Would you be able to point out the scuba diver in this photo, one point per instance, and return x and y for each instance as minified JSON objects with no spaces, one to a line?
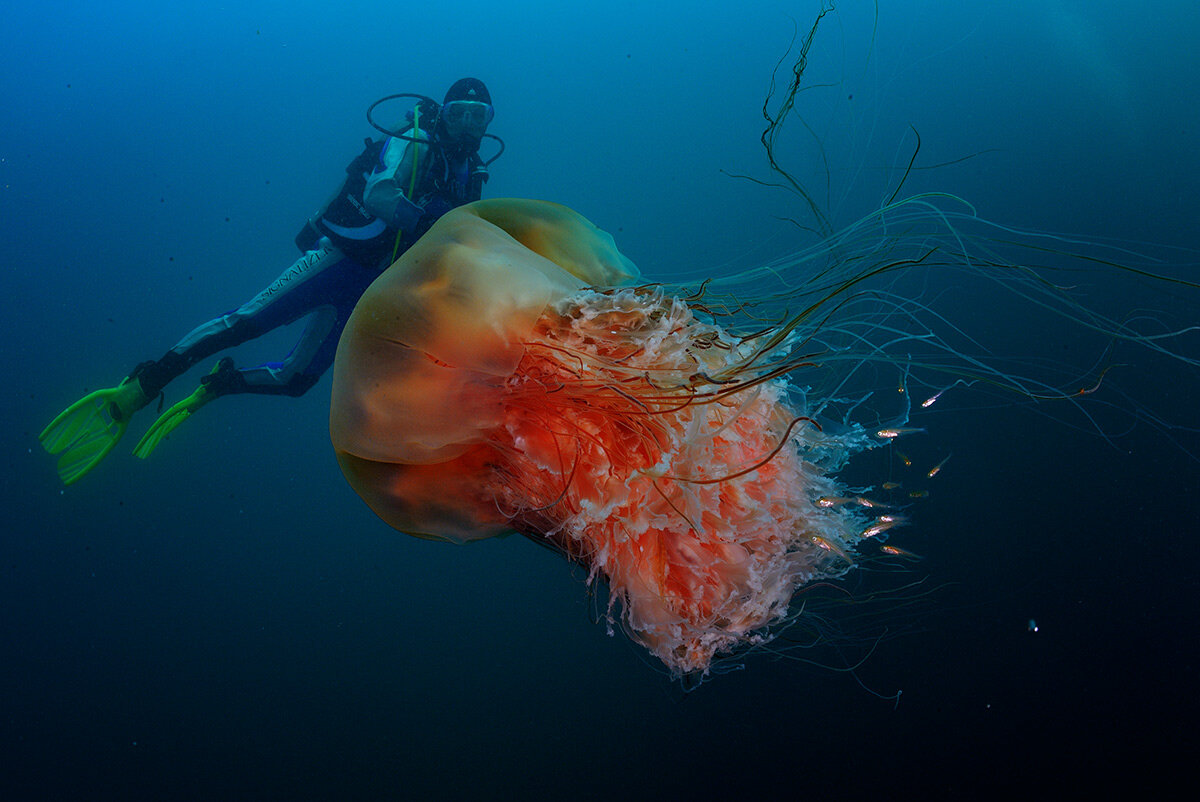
{"x":394,"y":191}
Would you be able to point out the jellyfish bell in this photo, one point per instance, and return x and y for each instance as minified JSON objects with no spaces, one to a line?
{"x":504,"y":376}
{"x":417,"y":377}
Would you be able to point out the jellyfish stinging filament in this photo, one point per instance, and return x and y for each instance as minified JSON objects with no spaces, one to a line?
{"x":506,"y":376}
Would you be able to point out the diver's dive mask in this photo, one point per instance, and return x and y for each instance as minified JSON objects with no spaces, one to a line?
{"x":470,"y":113}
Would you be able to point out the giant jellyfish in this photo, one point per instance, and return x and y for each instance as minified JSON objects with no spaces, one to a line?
{"x":686,"y":442}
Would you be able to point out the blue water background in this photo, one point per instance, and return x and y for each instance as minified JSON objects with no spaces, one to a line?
{"x":228,"y":620}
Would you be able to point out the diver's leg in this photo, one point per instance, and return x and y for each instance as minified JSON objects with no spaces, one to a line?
{"x":298,"y":371}
{"x":315,"y":350}
{"x":295,"y":293}
{"x":338,"y":290}
{"x":84,"y":433}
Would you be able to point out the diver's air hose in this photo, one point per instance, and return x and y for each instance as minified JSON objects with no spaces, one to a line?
{"x":412,"y":184}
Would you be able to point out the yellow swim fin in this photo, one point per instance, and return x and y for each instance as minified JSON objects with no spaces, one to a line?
{"x":173,"y":417}
{"x":87,"y":430}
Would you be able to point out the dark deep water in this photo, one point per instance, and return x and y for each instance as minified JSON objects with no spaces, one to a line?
{"x":227,"y":620}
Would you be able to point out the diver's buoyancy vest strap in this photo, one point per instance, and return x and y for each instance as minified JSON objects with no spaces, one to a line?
{"x":343,"y":218}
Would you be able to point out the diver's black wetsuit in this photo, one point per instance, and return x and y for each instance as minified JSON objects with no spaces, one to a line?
{"x":379,"y":212}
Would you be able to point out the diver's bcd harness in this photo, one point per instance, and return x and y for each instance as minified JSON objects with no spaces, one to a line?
{"x":343,"y":218}
{"x":354,"y":230}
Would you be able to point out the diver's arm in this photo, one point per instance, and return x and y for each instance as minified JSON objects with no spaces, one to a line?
{"x":389,"y":188}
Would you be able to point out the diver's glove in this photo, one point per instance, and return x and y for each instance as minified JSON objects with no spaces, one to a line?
{"x":407,"y":214}
{"x":87,"y":430}
{"x":434,"y":209}
{"x":222,"y":379}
